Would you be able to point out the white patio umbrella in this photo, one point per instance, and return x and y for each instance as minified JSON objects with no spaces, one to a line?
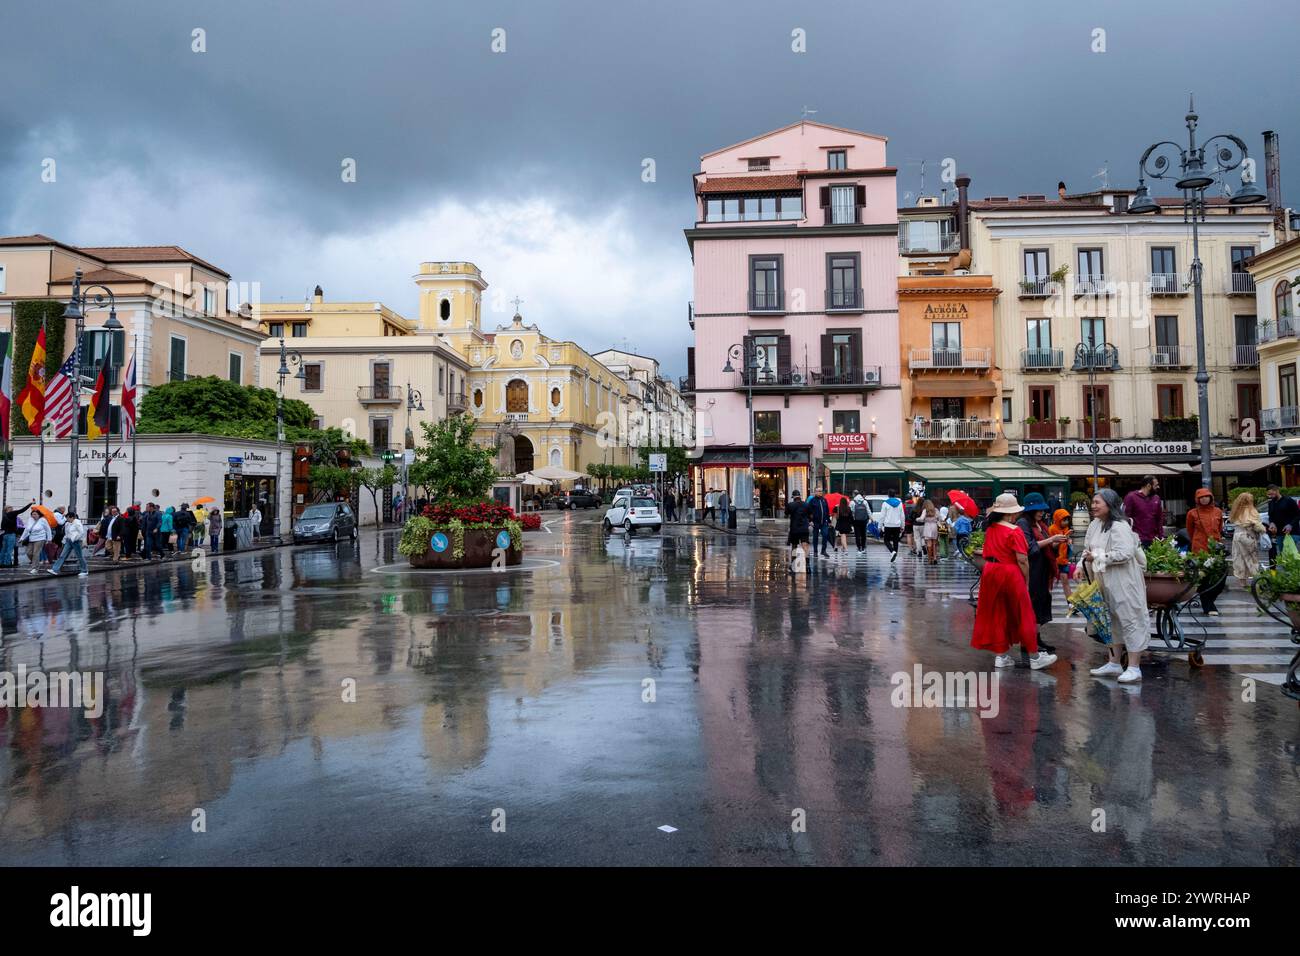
{"x":553,"y":473}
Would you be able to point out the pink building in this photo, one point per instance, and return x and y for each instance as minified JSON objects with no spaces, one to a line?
{"x":795,"y":247}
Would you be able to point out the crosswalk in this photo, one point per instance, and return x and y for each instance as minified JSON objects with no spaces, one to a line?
{"x":1240,"y":638}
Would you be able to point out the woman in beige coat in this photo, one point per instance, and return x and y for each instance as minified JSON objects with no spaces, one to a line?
{"x":1247,"y":527}
{"x":1114,"y":553}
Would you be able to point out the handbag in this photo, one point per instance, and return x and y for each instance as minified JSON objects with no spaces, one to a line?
{"x":1265,"y":541}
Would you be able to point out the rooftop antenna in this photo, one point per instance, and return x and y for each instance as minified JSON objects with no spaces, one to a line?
{"x":919,"y":163}
{"x":806,"y":112}
{"x":1104,"y":175}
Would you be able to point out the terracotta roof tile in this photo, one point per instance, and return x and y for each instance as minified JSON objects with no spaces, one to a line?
{"x":743,"y":184}
{"x":103,"y":275}
{"x":148,"y":254}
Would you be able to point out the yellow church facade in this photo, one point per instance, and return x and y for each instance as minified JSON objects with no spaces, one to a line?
{"x":545,"y":402}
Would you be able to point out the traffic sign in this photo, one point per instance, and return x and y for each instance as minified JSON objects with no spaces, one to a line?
{"x":659,"y":462}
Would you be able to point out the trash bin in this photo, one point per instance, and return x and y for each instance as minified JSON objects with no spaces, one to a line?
{"x":239,"y":534}
{"x":731,"y":519}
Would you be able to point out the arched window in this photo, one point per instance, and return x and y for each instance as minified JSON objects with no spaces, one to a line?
{"x":1281,"y":299}
{"x":517,"y":396}
{"x":444,"y":310}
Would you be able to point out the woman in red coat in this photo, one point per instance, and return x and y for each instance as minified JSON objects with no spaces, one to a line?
{"x":1005,"y":614}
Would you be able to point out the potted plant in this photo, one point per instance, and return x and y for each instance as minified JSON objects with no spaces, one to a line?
{"x":975,"y":549}
{"x":1278,"y":590}
{"x":1172,"y":576}
{"x":1031,"y":420}
{"x":460,"y":527}
{"x":1064,"y":420}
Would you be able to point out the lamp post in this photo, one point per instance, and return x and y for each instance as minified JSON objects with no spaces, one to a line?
{"x":414,"y":403}
{"x":76,"y":311}
{"x":1087,"y":355}
{"x":287,"y":357}
{"x":1192,"y":177}
{"x":749,"y":360}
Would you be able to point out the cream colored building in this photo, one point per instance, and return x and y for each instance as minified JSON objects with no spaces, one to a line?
{"x":1277,"y":281}
{"x":545,"y":401}
{"x":366,"y":369}
{"x":172,"y":305}
{"x":1124,"y":294}
{"x":657,"y":408}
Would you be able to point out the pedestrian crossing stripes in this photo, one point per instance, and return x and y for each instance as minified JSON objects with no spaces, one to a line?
{"x":1240,"y":638}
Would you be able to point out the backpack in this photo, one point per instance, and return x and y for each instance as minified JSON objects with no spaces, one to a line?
{"x":861,"y":512}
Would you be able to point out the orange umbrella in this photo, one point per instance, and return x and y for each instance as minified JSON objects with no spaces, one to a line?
{"x":45,"y":513}
{"x":204,"y":500}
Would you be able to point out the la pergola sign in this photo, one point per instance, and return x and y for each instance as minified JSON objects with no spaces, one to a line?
{"x":1080,"y":449}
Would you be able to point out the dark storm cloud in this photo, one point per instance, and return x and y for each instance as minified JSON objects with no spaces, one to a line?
{"x":584,"y":93}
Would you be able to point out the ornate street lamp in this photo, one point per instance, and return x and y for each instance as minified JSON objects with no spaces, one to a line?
{"x":1193,"y":177}
{"x":414,"y":403}
{"x":76,"y":311}
{"x":749,"y":359}
{"x":287,"y":357}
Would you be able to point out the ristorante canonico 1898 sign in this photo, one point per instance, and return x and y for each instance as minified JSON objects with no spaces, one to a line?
{"x":1133,"y":448}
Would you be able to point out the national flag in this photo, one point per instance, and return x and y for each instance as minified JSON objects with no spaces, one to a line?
{"x":128,"y":398}
{"x":7,"y":389}
{"x":99,"y":412}
{"x":60,"y":411}
{"x":32,"y":398}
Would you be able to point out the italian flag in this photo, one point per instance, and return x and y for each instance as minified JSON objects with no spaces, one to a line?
{"x":7,"y":389}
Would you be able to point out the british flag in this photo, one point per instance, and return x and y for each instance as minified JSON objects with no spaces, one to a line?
{"x":60,"y":409}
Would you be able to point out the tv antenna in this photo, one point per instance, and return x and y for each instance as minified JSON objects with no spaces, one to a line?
{"x":1103,"y":174}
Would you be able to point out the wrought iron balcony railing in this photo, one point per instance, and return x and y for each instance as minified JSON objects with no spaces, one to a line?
{"x":1171,"y":356}
{"x":1102,"y":358}
{"x":1239,"y":283}
{"x":1167,"y":283}
{"x":1277,"y":419}
{"x":1042,"y":360}
{"x":972,"y":358}
{"x":954,"y":430}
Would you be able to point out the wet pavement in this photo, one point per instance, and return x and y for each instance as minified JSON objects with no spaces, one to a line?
{"x":521,"y":697}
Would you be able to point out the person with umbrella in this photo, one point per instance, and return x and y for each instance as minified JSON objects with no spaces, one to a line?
{"x":36,"y":535}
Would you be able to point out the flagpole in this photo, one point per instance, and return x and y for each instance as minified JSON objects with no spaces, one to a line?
{"x":135,"y":410}
{"x":40,"y":436}
{"x":4,"y":438}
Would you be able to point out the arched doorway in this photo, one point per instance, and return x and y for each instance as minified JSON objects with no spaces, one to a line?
{"x":523,"y":454}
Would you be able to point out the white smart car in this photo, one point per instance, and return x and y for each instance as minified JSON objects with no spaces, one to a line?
{"x":632,"y":512}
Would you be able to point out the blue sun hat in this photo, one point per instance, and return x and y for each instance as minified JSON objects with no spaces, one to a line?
{"x":1034,"y":502}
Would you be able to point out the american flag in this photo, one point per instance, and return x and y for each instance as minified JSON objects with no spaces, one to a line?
{"x":60,"y":411}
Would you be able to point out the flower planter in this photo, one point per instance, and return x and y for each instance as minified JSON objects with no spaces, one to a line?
{"x":1166,"y":589}
{"x":480,"y":548}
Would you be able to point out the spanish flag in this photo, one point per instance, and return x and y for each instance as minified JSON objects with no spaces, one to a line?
{"x":99,"y":413}
{"x":32,"y":398}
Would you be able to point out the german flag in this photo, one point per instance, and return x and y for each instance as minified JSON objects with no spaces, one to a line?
{"x":32,"y":398}
{"x":100,"y":411}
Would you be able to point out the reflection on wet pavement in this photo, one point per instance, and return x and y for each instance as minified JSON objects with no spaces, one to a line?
{"x":527,"y":692}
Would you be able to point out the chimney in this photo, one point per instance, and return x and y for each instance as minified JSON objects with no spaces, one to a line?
{"x":319,"y":294}
{"x":1273,"y":171}
{"x":1060,"y":189}
{"x":963,"y":210}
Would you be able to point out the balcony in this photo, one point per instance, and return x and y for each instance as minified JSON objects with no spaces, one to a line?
{"x":841,"y":215}
{"x":952,"y":430}
{"x":1040,"y":431}
{"x":1171,"y":356}
{"x":955,"y":359}
{"x":1037,"y":287}
{"x":809,"y":378}
{"x":1279,"y":419}
{"x":1175,"y":429}
{"x":173,"y":375}
{"x":771,"y":302}
{"x":690,"y":315}
{"x":457,"y":403}
{"x":1245,"y":356}
{"x":1107,"y":430}
{"x":1167,"y":283}
{"x":1042,"y":360}
{"x":1239,"y":283}
{"x":932,"y":245}
{"x":844,"y":300}
{"x":1284,"y":327}
{"x":1097,"y":358}
{"x":1093,"y":285}
{"x":379,"y":395}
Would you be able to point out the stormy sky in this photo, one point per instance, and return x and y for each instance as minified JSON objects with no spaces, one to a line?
{"x":529,"y":161}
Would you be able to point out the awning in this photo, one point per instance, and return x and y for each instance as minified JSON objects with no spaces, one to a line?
{"x":1113,"y":469}
{"x":1232,"y":466}
{"x":953,"y":388}
{"x":865,"y":467}
{"x":981,"y":471}
{"x":1074,"y":469}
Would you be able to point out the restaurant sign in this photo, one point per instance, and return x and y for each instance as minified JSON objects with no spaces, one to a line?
{"x":1240,"y":451}
{"x":1132,"y":448}
{"x":848,"y":441}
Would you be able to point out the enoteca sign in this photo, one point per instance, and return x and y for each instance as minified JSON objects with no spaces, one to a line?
{"x":1132,"y":448}
{"x":848,"y":441}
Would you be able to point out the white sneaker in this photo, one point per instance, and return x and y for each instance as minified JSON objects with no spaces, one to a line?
{"x":1041,"y":659}
{"x":1130,"y":676}
{"x":1004,"y":660}
{"x":1109,"y":669}
{"x":84,"y":574}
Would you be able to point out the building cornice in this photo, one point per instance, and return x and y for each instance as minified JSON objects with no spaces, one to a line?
{"x":272,"y":347}
{"x":790,"y":232}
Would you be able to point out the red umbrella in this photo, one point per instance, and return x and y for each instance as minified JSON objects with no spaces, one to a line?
{"x":833,"y":499}
{"x":965,"y":502}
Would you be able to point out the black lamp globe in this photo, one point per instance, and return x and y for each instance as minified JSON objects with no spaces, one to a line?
{"x":1248,"y":195}
{"x":1142,"y":203}
{"x":1194,"y":175}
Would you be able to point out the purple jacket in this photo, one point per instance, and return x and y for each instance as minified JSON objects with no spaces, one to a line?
{"x":1147,"y":515}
